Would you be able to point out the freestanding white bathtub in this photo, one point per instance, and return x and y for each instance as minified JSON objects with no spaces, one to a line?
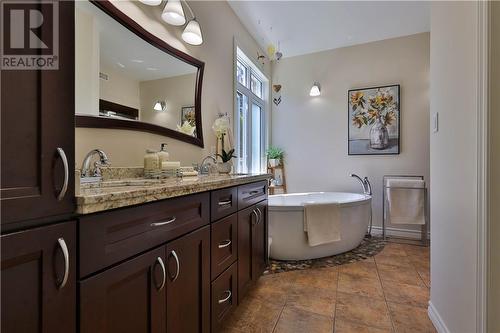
{"x":286,"y":224}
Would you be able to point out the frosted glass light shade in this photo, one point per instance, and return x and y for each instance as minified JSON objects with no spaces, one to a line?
{"x":151,"y":2}
{"x":315,"y":90}
{"x":173,"y":13}
{"x":192,"y":33}
{"x":160,"y":106}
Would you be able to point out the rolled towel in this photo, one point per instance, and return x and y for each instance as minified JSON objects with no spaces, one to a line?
{"x":322,"y":223}
{"x":406,"y":201}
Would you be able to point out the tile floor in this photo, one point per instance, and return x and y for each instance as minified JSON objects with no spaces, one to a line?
{"x":386,"y":293}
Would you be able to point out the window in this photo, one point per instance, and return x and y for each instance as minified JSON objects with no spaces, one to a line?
{"x":250,"y":115}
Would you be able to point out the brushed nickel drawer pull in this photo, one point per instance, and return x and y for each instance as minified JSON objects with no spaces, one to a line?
{"x":224,"y":243}
{"x":224,"y":203}
{"x":64,"y":188}
{"x":254,"y":192}
{"x":159,"y":224}
{"x":64,"y":249}
{"x":229,"y":294}
{"x":164,"y":274}
{"x":177,"y":266}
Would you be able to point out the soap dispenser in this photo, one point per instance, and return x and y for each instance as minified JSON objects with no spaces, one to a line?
{"x":163,"y":155}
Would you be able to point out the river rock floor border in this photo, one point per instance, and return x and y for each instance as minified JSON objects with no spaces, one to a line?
{"x":368,"y":248}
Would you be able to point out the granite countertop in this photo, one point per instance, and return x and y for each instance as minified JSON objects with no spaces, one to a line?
{"x":112,"y":194}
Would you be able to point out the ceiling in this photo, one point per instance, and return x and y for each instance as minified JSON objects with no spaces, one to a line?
{"x":304,"y":27}
{"x":124,"y":51}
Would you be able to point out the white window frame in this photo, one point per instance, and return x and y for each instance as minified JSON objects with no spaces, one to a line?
{"x":263,"y":103}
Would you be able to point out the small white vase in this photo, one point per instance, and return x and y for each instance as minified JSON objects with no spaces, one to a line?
{"x":274,"y":162}
{"x":224,"y":167}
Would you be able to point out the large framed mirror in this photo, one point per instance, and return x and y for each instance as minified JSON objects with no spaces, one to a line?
{"x":127,"y":78}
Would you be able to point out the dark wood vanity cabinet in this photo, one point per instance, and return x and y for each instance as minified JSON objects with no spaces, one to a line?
{"x":129,"y":297}
{"x":38,"y":135}
{"x":252,"y":245}
{"x":39,"y":280}
{"x":165,"y":289}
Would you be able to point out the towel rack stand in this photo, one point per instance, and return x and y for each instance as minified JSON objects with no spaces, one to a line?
{"x":424,"y":227}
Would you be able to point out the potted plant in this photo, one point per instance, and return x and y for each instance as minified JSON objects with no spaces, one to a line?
{"x":227,"y":164}
{"x":274,"y":156}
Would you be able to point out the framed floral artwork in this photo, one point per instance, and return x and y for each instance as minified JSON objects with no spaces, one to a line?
{"x":374,"y":120}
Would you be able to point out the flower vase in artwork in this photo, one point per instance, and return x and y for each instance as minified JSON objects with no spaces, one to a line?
{"x":379,"y":136}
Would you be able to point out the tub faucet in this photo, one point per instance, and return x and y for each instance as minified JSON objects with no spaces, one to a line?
{"x":365,"y":183}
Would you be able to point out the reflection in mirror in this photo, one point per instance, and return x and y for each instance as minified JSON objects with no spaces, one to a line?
{"x":121,"y":76}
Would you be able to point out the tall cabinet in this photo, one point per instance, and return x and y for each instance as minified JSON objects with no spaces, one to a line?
{"x":38,"y":265}
{"x":37,"y":135}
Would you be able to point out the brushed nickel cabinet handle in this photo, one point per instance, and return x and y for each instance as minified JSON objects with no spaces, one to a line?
{"x":224,"y":243}
{"x":224,"y":203}
{"x":253,"y":192}
{"x":64,"y":188}
{"x":177,"y":265}
{"x":260,"y":215}
{"x":254,"y":212}
{"x":159,"y":224}
{"x":64,"y":249}
{"x":164,"y":273}
{"x":225,"y":299}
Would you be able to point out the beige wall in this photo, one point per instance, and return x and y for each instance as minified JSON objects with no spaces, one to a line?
{"x":220,"y":26}
{"x":494,"y":278}
{"x":313,"y":131}
{"x":177,"y":91}
{"x":119,"y":88}
{"x":453,"y":165}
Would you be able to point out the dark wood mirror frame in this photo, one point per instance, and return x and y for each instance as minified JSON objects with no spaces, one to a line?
{"x":101,"y":122}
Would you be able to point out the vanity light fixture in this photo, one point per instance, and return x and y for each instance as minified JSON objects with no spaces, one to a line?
{"x":315,"y":90}
{"x":173,"y":13}
{"x":151,"y":2}
{"x":192,"y":33}
{"x":160,"y":106}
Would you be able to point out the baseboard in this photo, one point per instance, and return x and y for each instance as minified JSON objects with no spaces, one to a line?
{"x":436,"y":319}
{"x":397,"y":232}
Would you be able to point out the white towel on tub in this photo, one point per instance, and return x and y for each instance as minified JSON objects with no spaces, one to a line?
{"x":322,"y":223}
{"x":406,"y":201}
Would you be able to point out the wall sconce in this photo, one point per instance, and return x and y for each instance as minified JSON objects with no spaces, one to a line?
{"x":173,"y":14}
{"x":160,"y":106}
{"x":315,"y":90}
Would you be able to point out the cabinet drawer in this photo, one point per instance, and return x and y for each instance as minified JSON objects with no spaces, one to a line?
{"x":224,"y":244}
{"x":224,"y":202}
{"x":250,"y":194}
{"x":224,"y":296}
{"x":107,"y":238}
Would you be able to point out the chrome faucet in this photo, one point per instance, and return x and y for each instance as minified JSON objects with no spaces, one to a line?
{"x":205,"y":167}
{"x":365,"y":183}
{"x":103,"y":161}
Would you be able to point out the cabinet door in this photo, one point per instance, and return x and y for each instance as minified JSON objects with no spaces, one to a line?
{"x":247,"y":220}
{"x":127,"y":298}
{"x":37,"y":133}
{"x":39,"y":280}
{"x":252,"y":246}
{"x":259,"y":250}
{"x":188,"y":283}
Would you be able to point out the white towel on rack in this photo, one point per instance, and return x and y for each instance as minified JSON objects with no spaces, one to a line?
{"x":322,"y":223}
{"x":406,"y":201}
